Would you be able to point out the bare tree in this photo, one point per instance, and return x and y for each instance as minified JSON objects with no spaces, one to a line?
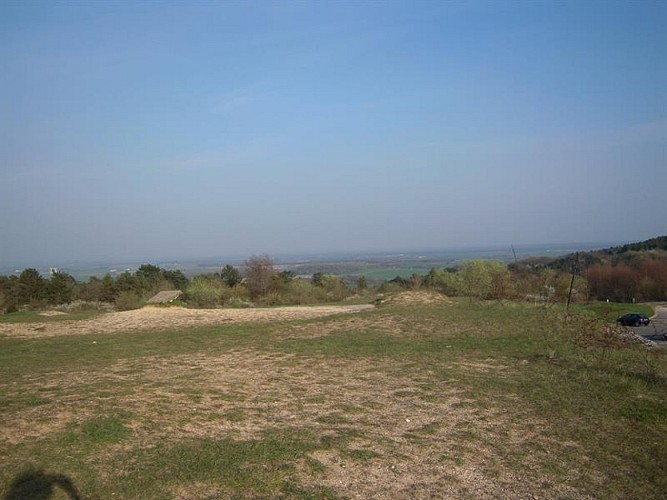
{"x":258,"y":272}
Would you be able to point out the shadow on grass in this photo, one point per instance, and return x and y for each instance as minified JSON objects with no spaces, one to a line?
{"x":35,"y":484}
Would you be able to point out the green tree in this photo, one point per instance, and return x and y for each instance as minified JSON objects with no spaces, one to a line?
{"x":108,"y":289}
{"x":335,"y":288}
{"x":231,"y":276}
{"x":475,"y":278}
{"x":125,"y":282}
{"x":362,"y":283}
{"x":501,"y":280}
{"x":176,"y":278}
{"x":32,"y":286}
{"x":448,"y":281}
{"x":486,"y":279}
{"x":11,"y":291}
{"x":147,"y":279}
{"x":96,"y":289}
{"x":60,"y":288}
{"x":149,"y":272}
{"x":317,"y":279}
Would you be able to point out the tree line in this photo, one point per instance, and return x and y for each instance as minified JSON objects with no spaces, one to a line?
{"x":643,"y":280}
{"x":256,"y":282}
{"x":260,"y":282}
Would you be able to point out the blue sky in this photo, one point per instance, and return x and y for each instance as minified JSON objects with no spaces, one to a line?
{"x":145,"y":130}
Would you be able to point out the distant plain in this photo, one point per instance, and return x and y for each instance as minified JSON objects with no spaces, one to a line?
{"x":376,"y":266}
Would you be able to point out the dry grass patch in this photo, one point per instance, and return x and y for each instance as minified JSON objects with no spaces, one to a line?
{"x":381,"y":434}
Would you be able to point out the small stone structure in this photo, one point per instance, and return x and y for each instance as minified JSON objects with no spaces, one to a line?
{"x":165,"y":297}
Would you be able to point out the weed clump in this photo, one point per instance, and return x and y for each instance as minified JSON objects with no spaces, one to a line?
{"x":595,"y":333}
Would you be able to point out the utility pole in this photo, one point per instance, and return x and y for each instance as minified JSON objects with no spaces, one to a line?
{"x":569,"y":294}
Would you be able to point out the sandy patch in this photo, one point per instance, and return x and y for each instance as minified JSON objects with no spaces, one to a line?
{"x":417,"y":298}
{"x":166,"y":318}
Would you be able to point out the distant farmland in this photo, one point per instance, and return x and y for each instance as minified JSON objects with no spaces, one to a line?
{"x":375,"y":266}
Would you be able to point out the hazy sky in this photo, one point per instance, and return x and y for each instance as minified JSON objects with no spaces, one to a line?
{"x":170,"y":129}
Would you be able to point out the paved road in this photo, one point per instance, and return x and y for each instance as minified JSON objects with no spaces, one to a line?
{"x":657,"y":329}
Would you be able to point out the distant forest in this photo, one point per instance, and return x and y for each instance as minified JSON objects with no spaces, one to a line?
{"x":634,"y":271}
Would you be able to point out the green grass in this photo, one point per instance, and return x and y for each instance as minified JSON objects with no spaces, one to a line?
{"x":98,"y":431}
{"x":37,"y":356}
{"x":596,"y":417}
{"x":231,"y":468}
{"x":252,"y":468}
{"x":611,"y":310}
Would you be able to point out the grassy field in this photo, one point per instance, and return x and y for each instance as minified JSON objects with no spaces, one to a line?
{"x":611,"y":310}
{"x":461,"y":400}
{"x":37,"y":317}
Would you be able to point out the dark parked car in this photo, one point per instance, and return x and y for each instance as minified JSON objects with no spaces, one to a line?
{"x":634,"y":319}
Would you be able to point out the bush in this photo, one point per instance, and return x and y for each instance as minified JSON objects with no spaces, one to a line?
{"x":335,"y":287}
{"x":271,"y":299}
{"x":239,"y":303}
{"x":449,"y":283}
{"x":84,"y":305}
{"x":388,"y":287}
{"x":239,"y":293}
{"x":300,"y":291}
{"x":126,"y":301}
{"x":204,"y":291}
{"x":258,"y":273}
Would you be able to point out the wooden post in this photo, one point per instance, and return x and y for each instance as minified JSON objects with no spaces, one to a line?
{"x":569,"y":294}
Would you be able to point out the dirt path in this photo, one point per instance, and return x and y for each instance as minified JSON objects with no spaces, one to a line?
{"x":163,"y":318}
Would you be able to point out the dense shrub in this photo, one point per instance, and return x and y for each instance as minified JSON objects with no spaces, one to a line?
{"x":300,"y":291}
{"x":389,"y":287}
{"x":335,"y":288}
{"x":97,"y":289}
{"x":271,"y":299}
{"x":31,"y":287}
{"x":231,"y":276}
{"x":238,"y":302}
{"x":258,"y":273}
{"x":83,"y":305}
{"x":128,"y":300}
{"x":60,"y":288}
{"x":205,"y":291}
